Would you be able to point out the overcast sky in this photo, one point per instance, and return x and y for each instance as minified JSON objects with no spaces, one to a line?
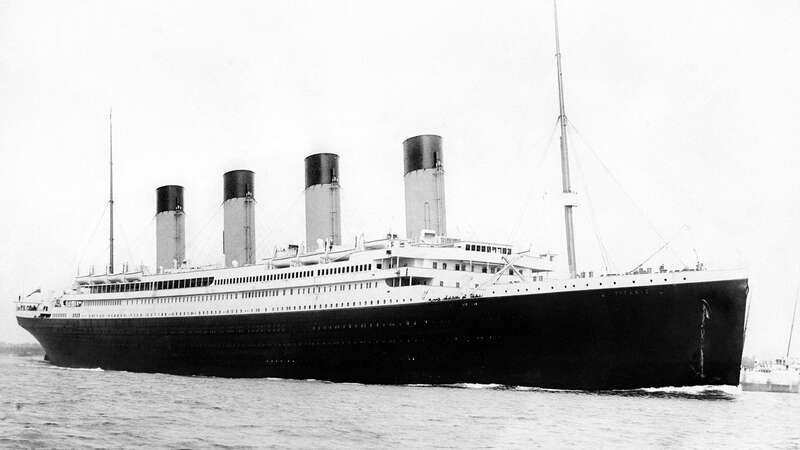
{"x":685,"y":122}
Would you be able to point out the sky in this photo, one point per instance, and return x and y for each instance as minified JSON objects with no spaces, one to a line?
{"x":683,"y":129}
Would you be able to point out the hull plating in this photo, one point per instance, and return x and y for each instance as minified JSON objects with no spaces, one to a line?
{"x":603,"y":339}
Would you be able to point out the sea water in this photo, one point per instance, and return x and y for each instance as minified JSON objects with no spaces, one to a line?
{"x":42,"y":405}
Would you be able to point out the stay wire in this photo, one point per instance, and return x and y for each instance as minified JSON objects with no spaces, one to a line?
{"x":192,"y":242}
{"x":630,"y":198}
{"x":81,"y":255}
{"x":266,"y":231}
{"x":540,"y":161}
{"x":137,"y":238}
{"x":592,"y":217}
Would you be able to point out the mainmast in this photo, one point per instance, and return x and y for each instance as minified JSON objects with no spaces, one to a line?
{"x":565,"y":184}
{"x":110,"y":195}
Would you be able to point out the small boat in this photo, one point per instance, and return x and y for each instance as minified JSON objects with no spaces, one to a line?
{"x":778,"y":375}
{"x":774,"y":376}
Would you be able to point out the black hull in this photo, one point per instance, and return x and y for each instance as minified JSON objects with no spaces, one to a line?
{"x":622,"y":338}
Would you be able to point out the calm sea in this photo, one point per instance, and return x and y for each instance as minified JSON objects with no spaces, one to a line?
{"x":45,"y":406}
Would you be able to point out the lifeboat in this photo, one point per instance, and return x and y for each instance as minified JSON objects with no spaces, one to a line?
{"x":376,"y":245}
{"x":133,"y":276}
{"x":115,"y":278}
{"x":311,"y":258}
{"x":282,"y":262}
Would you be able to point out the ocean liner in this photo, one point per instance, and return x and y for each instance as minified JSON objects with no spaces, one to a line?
{"x":423,"y":308}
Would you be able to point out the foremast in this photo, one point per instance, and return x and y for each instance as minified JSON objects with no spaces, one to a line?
{"x":110,"y":196}
{"x":565,"y":182}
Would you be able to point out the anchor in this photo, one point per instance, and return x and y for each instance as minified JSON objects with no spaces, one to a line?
{"x":705,"y":314}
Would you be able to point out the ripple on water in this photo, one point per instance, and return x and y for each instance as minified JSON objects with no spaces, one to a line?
{"x":42,"y":407}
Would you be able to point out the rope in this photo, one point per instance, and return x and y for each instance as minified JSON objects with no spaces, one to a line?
{"x":265,"y":230}
{"x":191,"y":243}
{"x":137,"y":238}
{"x":542,"y":156}
{"x":80,"y":256}
{"x":125,"y":241}
{"x":624,"y":191}
{"x":603,"y":251}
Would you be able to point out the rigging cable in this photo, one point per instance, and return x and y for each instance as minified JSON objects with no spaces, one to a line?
{"x":665,"y":245}
{"x":542,"y":157}
{"x":603,"y":251}
{"x":624,"y":191}
{"x":270,"y":232}
{"x":80,"y":254}
{"x":791,"y":328}
{"x":192,"y":242}
{"x":137,"y":238}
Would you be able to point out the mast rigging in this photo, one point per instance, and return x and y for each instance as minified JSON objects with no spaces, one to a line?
{"x":565,"y":183}
{"x":110,"y":195}
{"x":791,"y":329}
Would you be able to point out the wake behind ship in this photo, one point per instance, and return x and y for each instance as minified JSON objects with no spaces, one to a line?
{"x":426,"y":308}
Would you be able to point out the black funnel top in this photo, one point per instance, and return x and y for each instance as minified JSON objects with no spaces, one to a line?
{"x":237,"y":184}
{"x":322,"y":168}
{"x":169,"y":198}
{"x":422,"y":152}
